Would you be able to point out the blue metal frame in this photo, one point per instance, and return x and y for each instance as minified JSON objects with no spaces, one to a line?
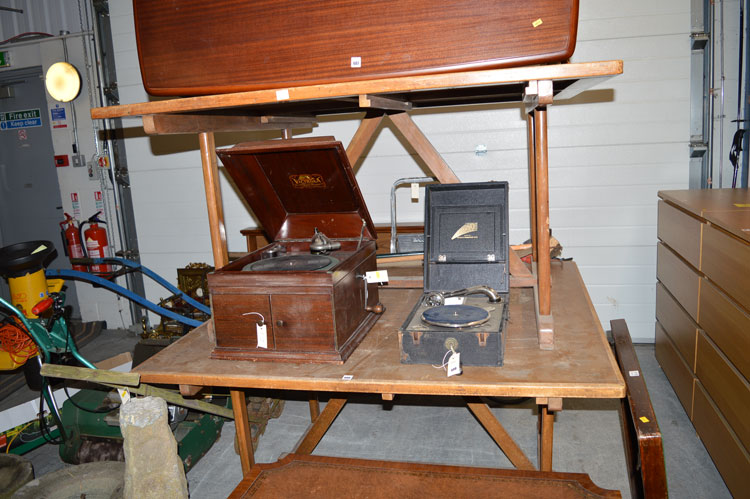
{"x":134,"y":266}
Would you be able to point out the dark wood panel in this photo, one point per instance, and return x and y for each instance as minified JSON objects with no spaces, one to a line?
{"x":674,"y":368}
{"x":727,"y":388}
{"x":682,"y":281}
{"x":727,"y":325}
{"x":641,"y":433}
{"x":726,"y":261}
{"x":681,"y":232}
{"x":303,"y":322}
{"x":237,"y":315}
{"x":237,"y":46}
{"x":731,"y":459}
{"x":296,"y":475}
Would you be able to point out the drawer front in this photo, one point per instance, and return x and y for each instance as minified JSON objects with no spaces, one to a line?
{"x":730,"y":457}
{"x":674,"y":367}
{"x":236,"y":318}
{"x":682,"y":281}
{"x":727,"y":325}
{"x":726,"y":261}
{"x":677,"y":324}
{"x":728,"y":388}
{"x":681,"y":232}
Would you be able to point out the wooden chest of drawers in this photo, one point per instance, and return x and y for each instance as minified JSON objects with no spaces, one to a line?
{"x":703,"y":318}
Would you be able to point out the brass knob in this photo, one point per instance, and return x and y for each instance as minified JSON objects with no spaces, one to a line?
{"x":280,"y":323}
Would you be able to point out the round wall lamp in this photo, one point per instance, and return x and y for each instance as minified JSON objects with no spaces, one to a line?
{"x":63,"y":81}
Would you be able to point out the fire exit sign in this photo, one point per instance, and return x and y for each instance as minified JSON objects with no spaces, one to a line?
{"x":4,"y":59}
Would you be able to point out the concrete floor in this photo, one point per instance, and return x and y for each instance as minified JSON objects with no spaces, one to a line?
{"x":441,"y":430}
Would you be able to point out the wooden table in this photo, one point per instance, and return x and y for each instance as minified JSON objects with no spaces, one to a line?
{"x":296,"y":107}
{"x":581,"y":366}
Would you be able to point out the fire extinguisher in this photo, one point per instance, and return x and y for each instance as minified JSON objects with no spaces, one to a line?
{"x":72,"y":240}
{"x":96,"y":244}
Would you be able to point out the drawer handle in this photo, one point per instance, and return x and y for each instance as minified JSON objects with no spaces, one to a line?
{"x":280,"y":323}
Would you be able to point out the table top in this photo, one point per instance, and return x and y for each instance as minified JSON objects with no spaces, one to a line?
{"x":445,"y":89}
{"x":581,"y":365}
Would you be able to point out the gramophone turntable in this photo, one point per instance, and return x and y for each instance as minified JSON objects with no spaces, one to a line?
{"x":304,"y":297}
{"x":464,"y":307}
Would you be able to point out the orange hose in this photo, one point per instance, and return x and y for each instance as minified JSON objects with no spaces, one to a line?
{"x":18,"y":344}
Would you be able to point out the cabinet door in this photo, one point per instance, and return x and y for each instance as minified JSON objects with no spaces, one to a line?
{"x":303,"y":323}
{"x":236,"y":318}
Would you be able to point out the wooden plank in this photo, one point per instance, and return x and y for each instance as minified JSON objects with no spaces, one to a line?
{"x":424,"y":148}
{"x":499,"y":434}
{"x":190,"y":390}
{"x":380,"y":102}
{"x":243,"y":433}
{"x":643,"y":440}
{"x":93,"y":375}
{"x":319,"y":427}
{"x":362,"y":138}
{"x":530,"y":130}
{"x":213,"y":199}
{"x":574,"y":71}
{"x":166,"y":124}
{"x":582,"y":366}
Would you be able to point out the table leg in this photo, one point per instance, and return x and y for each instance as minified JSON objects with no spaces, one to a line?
{"x":213,"y":199}
{"x":242,"y":426}
{"x":314,"y":406}
{"x":319,"y":427}
{"x":547,"y":409}
{"x":532,"y":182}
{"x":500,"y":435}
{"x":541,"y":196}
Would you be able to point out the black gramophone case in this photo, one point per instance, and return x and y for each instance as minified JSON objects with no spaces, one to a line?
{"x":321,"y":315}
{"x":466,"y":245}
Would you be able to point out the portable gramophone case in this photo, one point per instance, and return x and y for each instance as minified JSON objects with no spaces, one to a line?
{"x":195,"y":47}
{"x":464,"y":307}
{"x":304,"y":297}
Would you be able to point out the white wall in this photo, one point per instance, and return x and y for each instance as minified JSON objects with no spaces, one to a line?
{"x":611,"y":150}
{"x":94,"y":303}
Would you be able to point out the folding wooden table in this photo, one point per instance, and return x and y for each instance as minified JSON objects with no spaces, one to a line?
{"x":297,"y":107}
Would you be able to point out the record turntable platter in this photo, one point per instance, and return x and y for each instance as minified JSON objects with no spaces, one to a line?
{"x":455,"y":316}
{"x":293,"y":263}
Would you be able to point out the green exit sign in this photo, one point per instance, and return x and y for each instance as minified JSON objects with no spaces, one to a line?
{"x":4,"y":59}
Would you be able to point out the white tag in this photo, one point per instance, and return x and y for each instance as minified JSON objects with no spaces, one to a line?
{"x":282,"y":94}
{"x":634,"y":373}
{"x":454,"y":364}
{"x":415,"y":191}
{"x":124,"y":394}
{"x":356,"y":62}
{"x":347,"y":377}
{"x":454,"y":300}
{"x":377,"y":276}
{"x":262,"y":335}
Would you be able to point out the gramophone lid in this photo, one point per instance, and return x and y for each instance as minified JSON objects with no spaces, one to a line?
{"x":295,"y":185}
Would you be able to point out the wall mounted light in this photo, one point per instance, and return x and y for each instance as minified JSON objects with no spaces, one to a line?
{"x":63,"y":81}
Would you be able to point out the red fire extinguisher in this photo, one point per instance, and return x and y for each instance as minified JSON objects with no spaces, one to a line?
{"x":72,"y":240}
{"x":96,"y":244}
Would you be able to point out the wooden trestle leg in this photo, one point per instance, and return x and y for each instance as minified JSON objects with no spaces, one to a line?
{"x":547,"y":409}
{"x":242,"y":426}
{"x":490,"y":423}
{"x":319,"y":427}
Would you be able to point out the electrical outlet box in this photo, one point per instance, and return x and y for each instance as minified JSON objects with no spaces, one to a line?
{"x":79,"y":160}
